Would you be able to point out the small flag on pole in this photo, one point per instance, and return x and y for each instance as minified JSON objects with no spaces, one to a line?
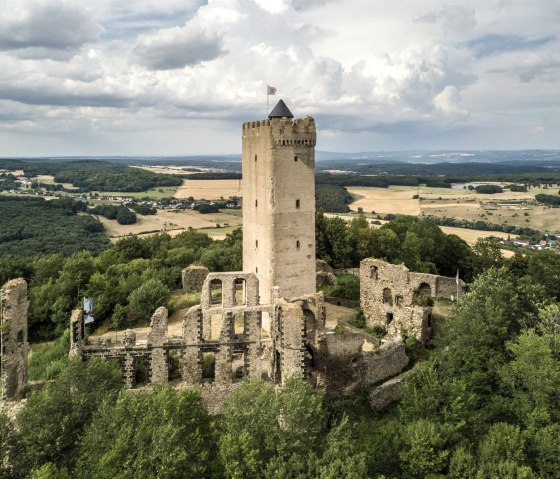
{"x":88,"y":319}
{"x":270,"y":90}
{"x":457,"y":278}
{"x":88,"y":305}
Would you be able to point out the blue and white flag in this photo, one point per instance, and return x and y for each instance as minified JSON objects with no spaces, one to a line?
{"x":88,"y":305}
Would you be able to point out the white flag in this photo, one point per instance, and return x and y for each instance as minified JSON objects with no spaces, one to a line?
{"x":270,"y":90}
{"x":457,"y":278}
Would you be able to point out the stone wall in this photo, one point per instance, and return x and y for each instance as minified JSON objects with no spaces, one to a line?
{"x":193,"y":278}
{"x":387,"y":393}
{"x":157,"y":336}
{"x":15,"y":347}
{"x":388,"y":297}
{"x":76,"y":333}
{"x":349,"y":368}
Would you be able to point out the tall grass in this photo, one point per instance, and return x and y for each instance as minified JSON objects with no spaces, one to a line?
{"x":47,"y":360}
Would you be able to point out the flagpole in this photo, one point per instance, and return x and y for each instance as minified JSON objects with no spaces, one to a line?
{"x":457,"y":281}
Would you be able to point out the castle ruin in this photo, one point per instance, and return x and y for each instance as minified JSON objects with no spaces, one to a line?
{"x":265,"y":322}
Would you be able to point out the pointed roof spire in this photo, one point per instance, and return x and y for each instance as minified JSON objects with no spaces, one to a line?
{"x":280,"y":111}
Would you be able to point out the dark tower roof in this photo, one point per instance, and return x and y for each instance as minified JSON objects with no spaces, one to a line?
{"x":280,"y":111}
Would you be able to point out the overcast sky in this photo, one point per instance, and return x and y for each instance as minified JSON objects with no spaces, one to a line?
{"x":178,"y":77}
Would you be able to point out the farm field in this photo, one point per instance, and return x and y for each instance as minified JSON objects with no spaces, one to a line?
{"x":172,"y":222}
{"x":209,"y":189}
{"x":384,"y":200}
{"x":502,"y":208}
{"x":170,"y":170}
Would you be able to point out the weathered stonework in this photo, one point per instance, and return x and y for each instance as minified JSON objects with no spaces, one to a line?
{"x":351,"y":367}
{"x":156,"y":339}
{"x":389,"y":297}
{"x":193,"y":278}
{"x":387,"y":393}
{"x":76,"y":333}
{"x":279,"y":205}
{"x":15,"y":347}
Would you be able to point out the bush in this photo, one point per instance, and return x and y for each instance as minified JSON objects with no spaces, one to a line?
{"x":143,"y":301}
{"x":489,"y":189}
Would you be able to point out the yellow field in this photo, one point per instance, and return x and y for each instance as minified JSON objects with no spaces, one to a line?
{"x":384,"y":200}
{"x":209,"y":189}
{"x":172,"y":222}
{"x":13,"y":172}
{"x":49,"y":180}
{"x":471,"y":236}
{"x":169,"y":170}
{"x":461,"y":204}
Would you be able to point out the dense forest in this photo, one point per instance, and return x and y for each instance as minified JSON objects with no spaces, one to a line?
{"x":29,"y":226}
{"x":90,"y":175}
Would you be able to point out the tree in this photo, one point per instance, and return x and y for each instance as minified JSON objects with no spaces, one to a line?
{"x":425,"y":450}
{"x":165,"y":434}
{"x":532,"y":378}
{"x":144,"y":300}
{"x":487,"y":254}
{"x":12,"y":464}
{"x":118,"y":318}
{"x":544,"y":268}
{"x":502,"y":454}
{"x":53,"y":421}
{"x":268,"y":434}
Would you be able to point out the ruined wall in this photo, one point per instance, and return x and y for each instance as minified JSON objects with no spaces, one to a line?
{"x":193,"y":278}
{"x":76,"y":333}
{"x":388,"y":297}
{"x":15,"y":347}
{"x":387,"y":393}
{"x":350,"y":367}
{"x":157,"y":337}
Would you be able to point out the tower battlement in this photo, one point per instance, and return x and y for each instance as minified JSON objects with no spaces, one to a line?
{"x":284,"y":131}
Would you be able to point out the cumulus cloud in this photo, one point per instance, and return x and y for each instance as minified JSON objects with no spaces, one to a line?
{"x":360,"y":68}
{"x":177,"y":47}
{"x":45,"y":29}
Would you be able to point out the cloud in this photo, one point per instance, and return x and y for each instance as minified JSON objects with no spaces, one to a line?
{"x":493,"y":44}
{"x":453,"y":18}
{"x":177,"y":47}
{"x":45,"y":29}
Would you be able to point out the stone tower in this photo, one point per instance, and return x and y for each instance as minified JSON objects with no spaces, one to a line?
{"x":279,"y":203}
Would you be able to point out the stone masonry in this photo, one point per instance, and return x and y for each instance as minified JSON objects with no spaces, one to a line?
{"x":390,"y":297}
{"x":15,"y":348}
{"x":193,"y":278}
{"x":279,"y":204}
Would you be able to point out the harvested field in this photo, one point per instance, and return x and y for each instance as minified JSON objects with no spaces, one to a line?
{"x":209,"y":189}
{"x":172,"y":222}
{"x":471,"y":236}
{"x":384,"y":200}
{"x":170,"y":170}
